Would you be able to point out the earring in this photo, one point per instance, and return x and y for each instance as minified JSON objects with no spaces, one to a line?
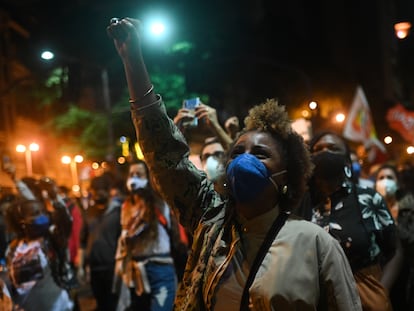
{"x":348,"y":172}
{"x":284,"y":189}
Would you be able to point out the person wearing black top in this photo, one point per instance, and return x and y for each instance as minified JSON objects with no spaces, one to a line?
{"x":356,"y":216}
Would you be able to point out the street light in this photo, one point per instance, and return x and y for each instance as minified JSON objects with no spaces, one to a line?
{"x":33,"y":147}
{"x":73,"y":169}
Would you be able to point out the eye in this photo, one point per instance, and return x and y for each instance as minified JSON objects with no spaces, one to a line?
{"x":261,"y":155}
{"x":261,"y":152}
{"x":237,"y":150}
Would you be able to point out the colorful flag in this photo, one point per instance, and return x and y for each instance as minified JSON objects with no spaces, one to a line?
{"x":402,"y":120}
{"x":359,"y":126}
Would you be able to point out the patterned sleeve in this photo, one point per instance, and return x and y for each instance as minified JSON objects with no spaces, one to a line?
{"x":381,"y":222}
{"x":166,"y":152}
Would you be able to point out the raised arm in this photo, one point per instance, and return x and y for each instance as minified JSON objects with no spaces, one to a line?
{"x":163,"y":145}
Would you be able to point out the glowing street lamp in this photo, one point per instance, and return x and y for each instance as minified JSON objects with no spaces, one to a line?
{"x":402,"y":29}
{"x":388,"y":140}
{"x":157,"y":28}
{"x":73,"y":169}
{"x":33,"y":147}
{"x":339,"y":117}
{"x":313,"y":105}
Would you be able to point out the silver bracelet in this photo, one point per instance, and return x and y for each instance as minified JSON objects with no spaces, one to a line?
{"x":137,"y":100}
{"x":135,"y":108}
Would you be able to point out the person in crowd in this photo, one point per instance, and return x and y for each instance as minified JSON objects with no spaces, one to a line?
{"x":5,"y":236}
{"x":77,"y":224}
{"x":388,"y":185}
{"x":144,"y":255}
{"x":6,"y":303}
{"x":212,"y":157}
{"x":248,"y":251}
{"x":74,"y":239}
{"x":29,"y":259}
{"x":357,"y":171}
{"x":356,"y":216}
{"x":213,"y":149}
{"x":406,"y":230}
{"x":207,"y":116}
{"x":45,"y":190}
{"x":99,"y":238}
{"x":232,"y":126}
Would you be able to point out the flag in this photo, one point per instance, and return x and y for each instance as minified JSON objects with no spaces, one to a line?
{"x":402,"y":121}
{"x":359,"y":126}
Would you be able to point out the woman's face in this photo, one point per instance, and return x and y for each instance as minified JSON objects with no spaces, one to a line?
{"x":138,"y":170}
{"x":331,"y":165}
{"x":386,"y":173}
{"x":263,"y":146}
{"x":329,"y":143}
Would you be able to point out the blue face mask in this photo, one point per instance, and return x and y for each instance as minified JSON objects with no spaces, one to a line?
{"x":248,"y":177}
{"x":356,"y":169}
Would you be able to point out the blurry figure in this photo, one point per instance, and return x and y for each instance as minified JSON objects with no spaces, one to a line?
{"x":6,"y":303}
{"x":388,"y":181}
{"x":357,"y":217}
{"x":207,"y":117}
{"x":99,"y":237}
{"x":212,"y":157}
{"x":232,"y":126}
{"x":74,"y":238}
{"x":5,"y":235}
{"x":77,"y":223}
{"x":145,"y":261}
{"x":45,"y":190}
{"x":29,"y":259}
{"x":357,"y":172}
{"x":303,"y":127}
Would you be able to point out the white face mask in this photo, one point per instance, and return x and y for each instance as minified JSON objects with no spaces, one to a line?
{"x":386,"y":187}
{"x":213,"y":168}
{"x":134,"y":183}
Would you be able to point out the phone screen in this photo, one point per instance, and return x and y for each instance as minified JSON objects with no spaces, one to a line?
{"x":5,"y":162}
{"x":191,"y":104}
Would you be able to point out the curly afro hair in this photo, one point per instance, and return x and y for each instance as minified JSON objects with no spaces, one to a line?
{"x":273,"y":118}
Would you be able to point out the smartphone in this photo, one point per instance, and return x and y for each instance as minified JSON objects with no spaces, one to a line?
{"x":191,"y":104}
{"x":5,"y":162}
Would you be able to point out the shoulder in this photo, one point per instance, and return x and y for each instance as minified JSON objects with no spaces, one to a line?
{"x":308,"y":239}
{"x":304,"y":229}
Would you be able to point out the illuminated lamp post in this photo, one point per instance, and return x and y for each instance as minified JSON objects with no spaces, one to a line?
{"x":73,"y":169}
{"x":33,"y":147}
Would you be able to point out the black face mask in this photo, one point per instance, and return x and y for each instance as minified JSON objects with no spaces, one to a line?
{"x":329,"y":166}
{"x":37,"y":227}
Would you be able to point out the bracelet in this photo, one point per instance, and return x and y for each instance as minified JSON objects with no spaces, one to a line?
{"x":134,"y":101}
{"x":158,"y":101}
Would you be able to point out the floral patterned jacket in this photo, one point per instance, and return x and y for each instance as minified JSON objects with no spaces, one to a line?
{"x":360,"y":220}
{"x":216,"y":236}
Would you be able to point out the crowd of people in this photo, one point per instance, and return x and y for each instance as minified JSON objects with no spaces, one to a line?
{"x":261,"y":221}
